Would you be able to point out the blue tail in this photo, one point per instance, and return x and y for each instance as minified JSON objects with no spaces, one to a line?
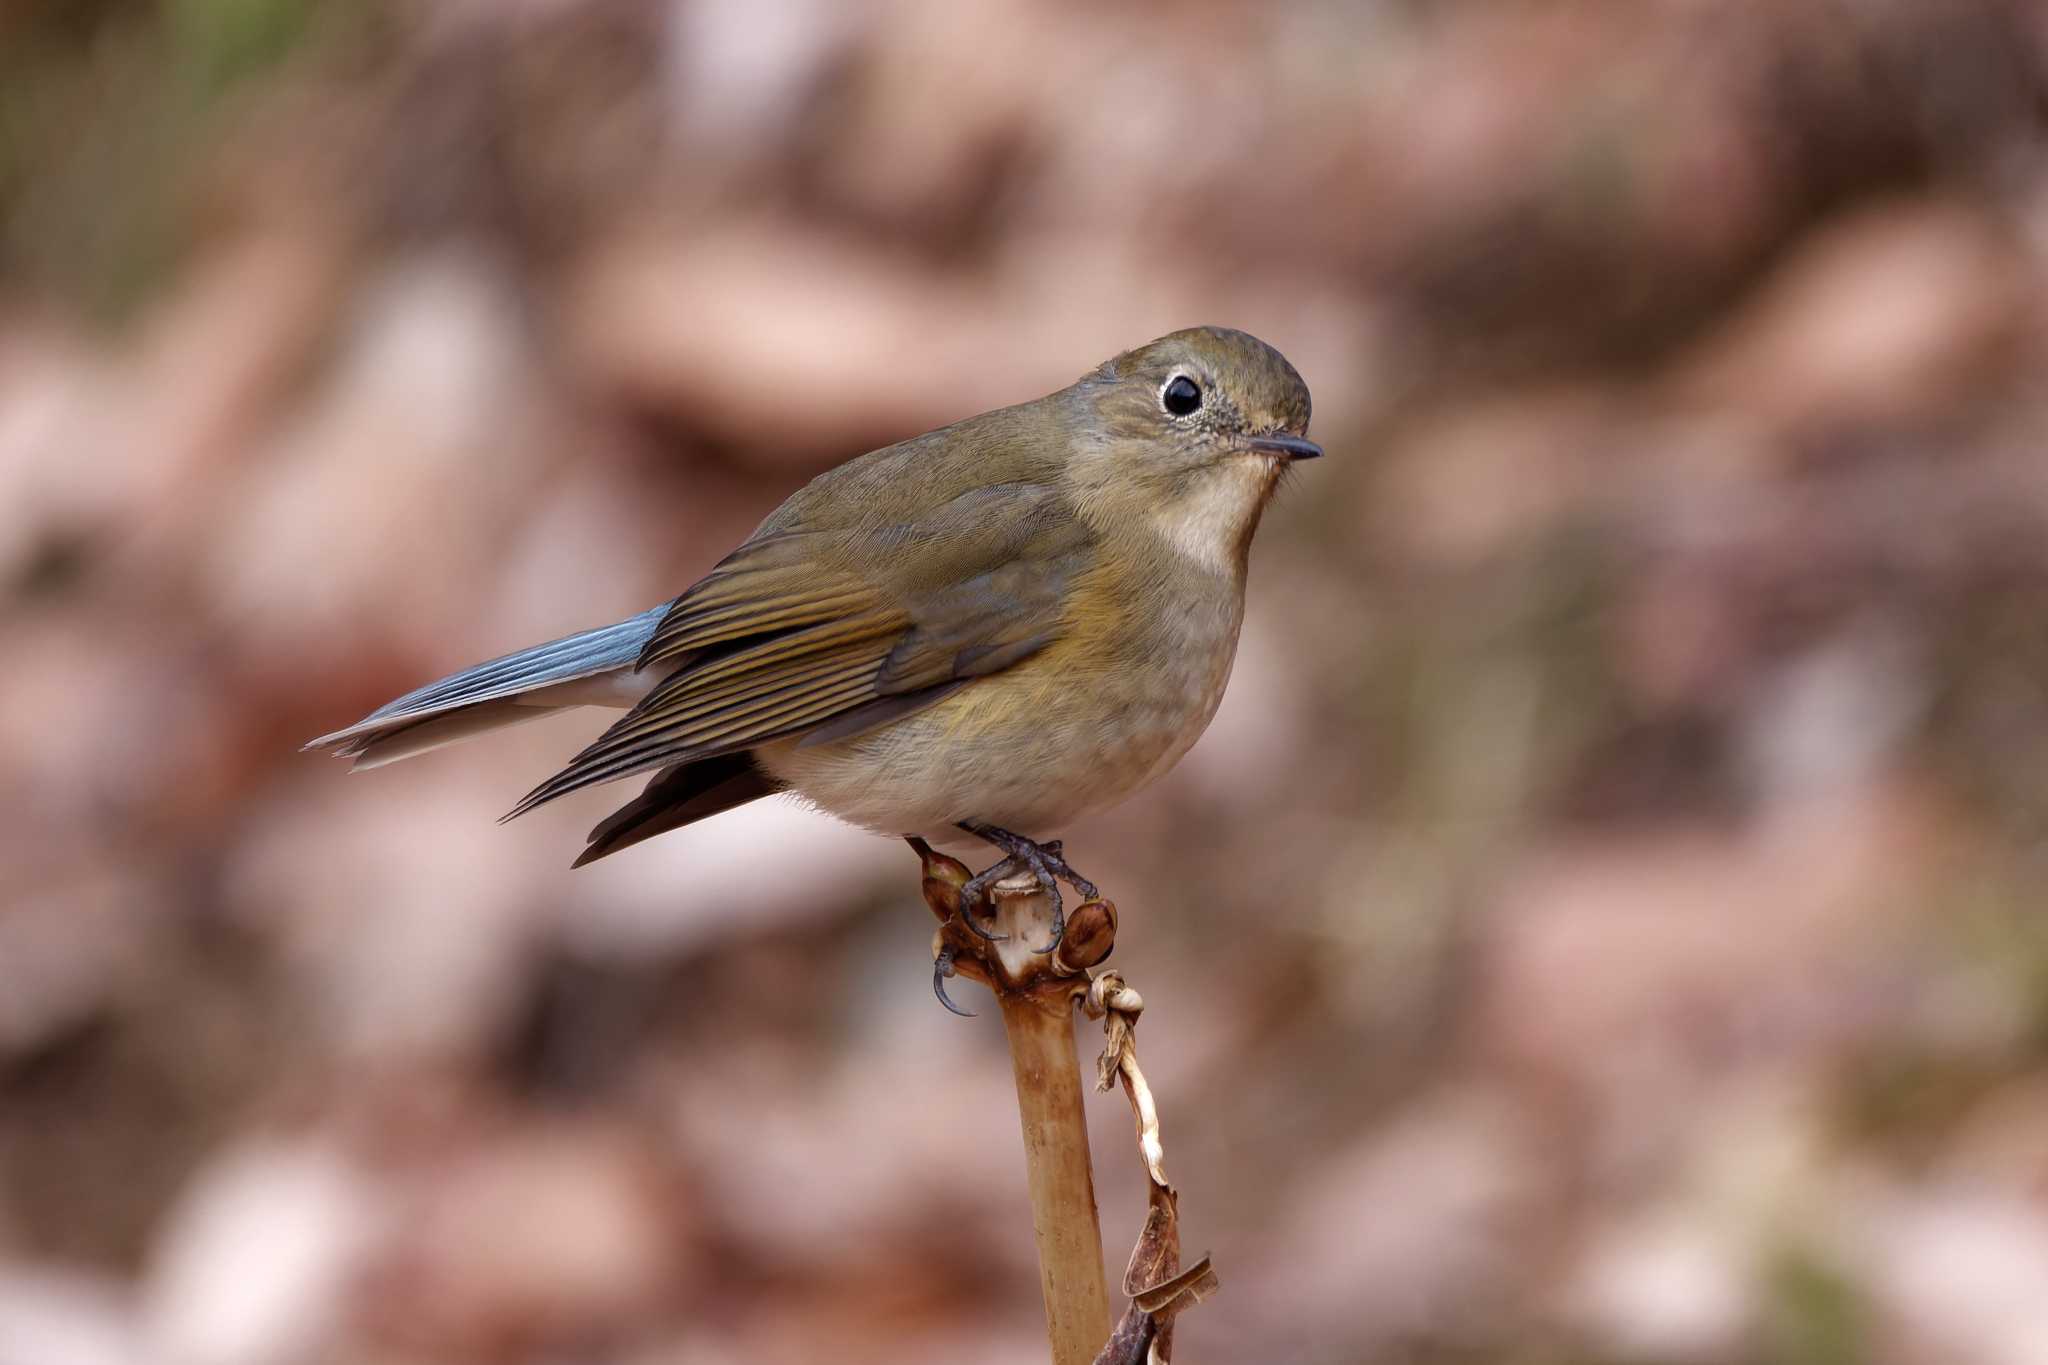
{"x":485,"y":694}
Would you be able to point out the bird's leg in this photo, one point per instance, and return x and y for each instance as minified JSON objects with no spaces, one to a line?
{"x":1043,"y":861}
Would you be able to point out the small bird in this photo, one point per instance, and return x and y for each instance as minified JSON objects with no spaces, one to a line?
{"x":989,"y":628}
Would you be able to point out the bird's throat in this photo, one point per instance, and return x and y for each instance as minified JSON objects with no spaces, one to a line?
{"x":1211,"y":524}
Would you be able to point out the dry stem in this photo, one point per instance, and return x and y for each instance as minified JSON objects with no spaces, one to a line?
{"x":1040,"y":1024}
{"x":1037,"y":994}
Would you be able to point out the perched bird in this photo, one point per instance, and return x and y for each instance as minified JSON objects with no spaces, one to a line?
{"x":989,"y":628}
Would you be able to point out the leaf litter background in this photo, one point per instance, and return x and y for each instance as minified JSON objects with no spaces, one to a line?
{"x":1604,"y":925}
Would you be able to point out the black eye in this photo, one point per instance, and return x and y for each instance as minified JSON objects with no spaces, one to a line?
{"x":1181,"y":395}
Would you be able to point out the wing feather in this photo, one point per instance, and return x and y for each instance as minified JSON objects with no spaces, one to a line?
{"x":678,"y":727}
{"x":677,"y":797}
{"x":700,"y":626}
{"x":792,"y":715}
{"x":834,"y":631}
{"x":774,"y":582}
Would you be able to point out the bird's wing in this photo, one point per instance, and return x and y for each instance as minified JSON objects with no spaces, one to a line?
{"x":828,"y":632}
{"x":676,"y":797}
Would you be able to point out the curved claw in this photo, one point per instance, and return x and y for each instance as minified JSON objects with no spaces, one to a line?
{"x":942,"y":969}
{"x":976,"y":893}
{"x":986,"y":935}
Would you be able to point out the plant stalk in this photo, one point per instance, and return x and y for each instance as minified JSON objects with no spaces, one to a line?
{"x":1037,"y":993}
{"x":1039,"y":1020}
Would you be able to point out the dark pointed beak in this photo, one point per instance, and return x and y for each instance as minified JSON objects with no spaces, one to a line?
{"x":1293,"y":447}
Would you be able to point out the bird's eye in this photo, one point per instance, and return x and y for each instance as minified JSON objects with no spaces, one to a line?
{"x":1181,"y":395}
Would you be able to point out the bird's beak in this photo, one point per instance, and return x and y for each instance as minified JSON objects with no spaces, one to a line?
{"x":1293,"y":447}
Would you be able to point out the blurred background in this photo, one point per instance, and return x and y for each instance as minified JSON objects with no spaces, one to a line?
{"x":1607,"y":923}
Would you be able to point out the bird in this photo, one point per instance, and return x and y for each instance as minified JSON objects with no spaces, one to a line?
{"x":990,"y":629}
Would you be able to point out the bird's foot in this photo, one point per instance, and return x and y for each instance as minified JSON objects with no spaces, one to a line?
{"x":1045,"y":862}
{"x":962,"y":947}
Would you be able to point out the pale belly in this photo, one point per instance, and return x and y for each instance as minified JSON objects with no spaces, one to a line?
{"x":1028,"y":749}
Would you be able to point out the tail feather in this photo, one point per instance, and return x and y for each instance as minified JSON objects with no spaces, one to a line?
{"x":437,"y":731}
{"x":483,"y":698}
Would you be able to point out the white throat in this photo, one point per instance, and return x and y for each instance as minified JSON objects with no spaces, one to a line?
{"x":1209,"y":525}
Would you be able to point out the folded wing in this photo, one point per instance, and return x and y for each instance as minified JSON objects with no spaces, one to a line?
{"x":823,"y":633}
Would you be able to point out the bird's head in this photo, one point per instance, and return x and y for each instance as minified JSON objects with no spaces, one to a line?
{"x":1189,"y":435}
